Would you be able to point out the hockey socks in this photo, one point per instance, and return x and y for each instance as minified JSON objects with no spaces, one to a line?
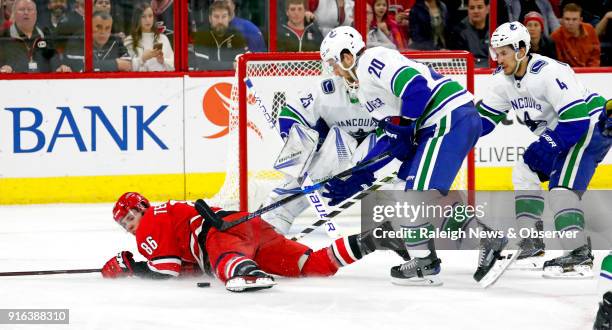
{"x":605,"y":275}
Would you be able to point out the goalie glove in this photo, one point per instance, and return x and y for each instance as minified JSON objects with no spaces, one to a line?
{"x":541,"y":154}
{"x":121,"y":265}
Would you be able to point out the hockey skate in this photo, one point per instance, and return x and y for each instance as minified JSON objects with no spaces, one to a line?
{"x":372,"y":243}
{"x":492,"y":263}
{"x":576,"y":264}
{"x":531,"y":256}
{"x":603,"y":319}
{"x":256,"y":281}
{"x":418,"y":272}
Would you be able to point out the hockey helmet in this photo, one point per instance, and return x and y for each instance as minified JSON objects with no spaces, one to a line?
{"x":510,"y":34}
{"x":129,"y":201}
{"x":340,"y":39}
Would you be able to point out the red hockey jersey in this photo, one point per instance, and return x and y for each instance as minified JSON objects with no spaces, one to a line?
{"x":167,"y":236}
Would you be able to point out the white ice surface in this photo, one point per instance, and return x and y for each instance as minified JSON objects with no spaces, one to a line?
{"x":360,"y":296}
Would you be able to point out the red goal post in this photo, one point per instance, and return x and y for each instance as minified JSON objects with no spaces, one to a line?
{"x":453,"y":63}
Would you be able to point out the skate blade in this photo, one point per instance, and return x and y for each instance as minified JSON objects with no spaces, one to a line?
{"x":579,"y":272}
{"x":240,"y":284}
{"x":532,"y":264}
{"x":499,"y":268}
{"x":430,"y":280}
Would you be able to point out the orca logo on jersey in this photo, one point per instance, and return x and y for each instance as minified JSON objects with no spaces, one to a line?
{"x":216,"y":106}
{"x":512,"y":27}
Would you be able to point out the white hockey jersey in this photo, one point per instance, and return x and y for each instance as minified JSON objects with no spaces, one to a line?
{"x":548,"y":94}
{"x":392,"y":85}
{"x":329,"y":102}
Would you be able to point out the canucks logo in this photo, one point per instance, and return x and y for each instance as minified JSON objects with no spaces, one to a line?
{"x":512,"y":27}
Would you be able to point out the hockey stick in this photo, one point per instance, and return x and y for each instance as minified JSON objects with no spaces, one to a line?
{"x":221,"y":225}
{"x":51,"y":272}
{"x":345,"y":205}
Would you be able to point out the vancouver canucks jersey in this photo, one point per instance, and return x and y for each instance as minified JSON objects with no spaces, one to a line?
{"x":323,"y":106}
{"x":392,"y":85}
{"x":548,"y":96}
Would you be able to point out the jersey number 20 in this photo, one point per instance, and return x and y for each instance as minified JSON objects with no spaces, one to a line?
{"x":375,"y":67}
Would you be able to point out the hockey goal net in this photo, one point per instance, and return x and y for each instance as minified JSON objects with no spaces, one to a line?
{"x":275,"y":77}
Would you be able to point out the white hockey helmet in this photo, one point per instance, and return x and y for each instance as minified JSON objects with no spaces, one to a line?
{"x":340,"y":39}
{"x":510,"y":34}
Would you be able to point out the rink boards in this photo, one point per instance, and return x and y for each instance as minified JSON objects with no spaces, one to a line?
{"x":88,"y":140}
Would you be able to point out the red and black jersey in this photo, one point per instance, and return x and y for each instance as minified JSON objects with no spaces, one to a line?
{"x":168,"y":236}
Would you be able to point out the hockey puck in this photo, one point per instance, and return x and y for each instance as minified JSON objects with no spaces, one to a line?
{"x":203,"y":284}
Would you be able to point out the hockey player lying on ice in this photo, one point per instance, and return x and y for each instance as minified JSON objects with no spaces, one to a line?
{"x":174,"y":237}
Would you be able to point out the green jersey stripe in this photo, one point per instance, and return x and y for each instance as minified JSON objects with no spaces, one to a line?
{"x":402,"y":79}
{"x":579,"y":111}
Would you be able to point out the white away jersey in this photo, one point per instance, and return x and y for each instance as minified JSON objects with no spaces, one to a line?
{"x":391,"y":85}
{"x":548,"y":93}
{"x":328,"y":101}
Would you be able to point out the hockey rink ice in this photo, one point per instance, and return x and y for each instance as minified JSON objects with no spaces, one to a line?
{"x":361,"y":296}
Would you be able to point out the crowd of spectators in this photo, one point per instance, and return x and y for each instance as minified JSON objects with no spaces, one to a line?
{"x":138,"y":35}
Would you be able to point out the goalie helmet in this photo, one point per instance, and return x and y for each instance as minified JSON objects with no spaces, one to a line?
{"x":510,"y":34}
{"x":340,"y":39}
{"x":127,"y":202}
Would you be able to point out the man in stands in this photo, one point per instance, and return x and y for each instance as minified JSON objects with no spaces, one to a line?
{"x":296,"y":35}
{"x":473,"y":33}
{"x":577,"y":42}
{"x":216,"y":49}
{"x":174,"y":236}
{"x":24,"y":46}
{"x":109,"y":53}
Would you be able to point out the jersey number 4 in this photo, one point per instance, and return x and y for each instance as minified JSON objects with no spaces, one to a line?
{"x":376,"y":67}
{"x":561,"y":84}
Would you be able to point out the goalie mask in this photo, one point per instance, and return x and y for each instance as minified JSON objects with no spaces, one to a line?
{"x":127,"y":207}
{"x":511,"y":34}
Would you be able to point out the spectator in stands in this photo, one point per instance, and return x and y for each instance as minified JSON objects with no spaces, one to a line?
{"x":249,"y":31}
{"x":331,"y":13}
{"x":386,"y":24}
{"x":217,"y":48}
{"x":296,"y":35}
{"x":7,"y":9}
{"x":24,"y":46}
{"x":428,"y":24}
{"x":109,"y":53}
{"x":71,"y":26}
{"x":540,"y":44}
{"x":164,"y":16}
{"x":375,"y":36}
{"x":517,"y":9}
{"x":604,"y":31}
{"x":105,"y":6}
{"x":592,"y":10}
{"x":576,"y":42}
{"x":473,"y":32}
{"x":56,"y":12}
{"x":149,"y":49}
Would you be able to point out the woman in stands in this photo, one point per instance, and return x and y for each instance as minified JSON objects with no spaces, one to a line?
{"x":150,"y":50}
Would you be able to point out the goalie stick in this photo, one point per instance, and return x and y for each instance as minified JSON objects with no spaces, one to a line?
{"x":314,"y":197}
{"x":221,"y":225}
{"x":336,"y":210}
